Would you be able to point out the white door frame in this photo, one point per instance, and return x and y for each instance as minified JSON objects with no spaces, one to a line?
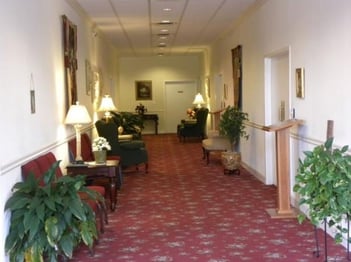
{"x":270,"y":154}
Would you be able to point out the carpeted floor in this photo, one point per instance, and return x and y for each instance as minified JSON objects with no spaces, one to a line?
{"x":184,"y":210}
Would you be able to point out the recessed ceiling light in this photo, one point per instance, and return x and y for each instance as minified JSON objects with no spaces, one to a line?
{"x":165,"y":22}
{"x":167,"y":9}
{"x":163,"y":35}
{"x":164,"y":30}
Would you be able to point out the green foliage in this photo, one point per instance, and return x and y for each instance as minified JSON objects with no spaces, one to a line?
{"x":131,"y":123}
{"x":232,"y":124}
{"x":324,"y":185}
{"x":48,"y":217}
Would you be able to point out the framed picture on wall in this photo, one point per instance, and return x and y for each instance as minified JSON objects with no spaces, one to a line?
{"x":300,"y":82}
{"x":143,"y":90}
{"x":70,"y":60}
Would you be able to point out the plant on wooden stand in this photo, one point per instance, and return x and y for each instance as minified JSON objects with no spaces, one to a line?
{"x":232,"y":125}
{"x":49,"y":218}
{"x":323,"y":182}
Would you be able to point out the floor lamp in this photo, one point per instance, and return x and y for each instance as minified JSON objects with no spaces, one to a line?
{"x":77,"y":116}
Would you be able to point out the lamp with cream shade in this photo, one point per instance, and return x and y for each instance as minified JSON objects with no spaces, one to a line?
{"x":199,"y":100}
{"x":77,"y":116}
{"x":106,"y":106}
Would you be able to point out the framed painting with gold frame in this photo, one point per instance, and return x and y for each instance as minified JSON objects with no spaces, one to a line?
{"x":143,"y":90}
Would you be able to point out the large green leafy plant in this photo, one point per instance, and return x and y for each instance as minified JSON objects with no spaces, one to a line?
{"x":232,"y":124}
{"x":323,"y":182}
{"x":49,"y":218}
{"x":131,"y":123}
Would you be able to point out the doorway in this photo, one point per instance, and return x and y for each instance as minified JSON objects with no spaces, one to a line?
{"x":277,"y":103}
{"x":179,"y":97}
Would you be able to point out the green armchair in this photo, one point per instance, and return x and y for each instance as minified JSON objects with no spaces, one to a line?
{"x":131,"y":152}
{"x":194,"y":128}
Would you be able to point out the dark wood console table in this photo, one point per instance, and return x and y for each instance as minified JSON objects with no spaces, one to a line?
{"x":153,"y":117}
{"x":110,"y":170}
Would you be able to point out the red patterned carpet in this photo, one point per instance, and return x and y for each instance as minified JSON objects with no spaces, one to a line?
{"x":183,"y":210}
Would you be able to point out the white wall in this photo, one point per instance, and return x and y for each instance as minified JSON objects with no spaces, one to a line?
{"x":31,"y":44}
{"x":317,"y":31}
{"x":158,"y":70}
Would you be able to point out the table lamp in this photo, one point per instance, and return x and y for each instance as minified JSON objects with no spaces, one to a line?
{"x":106,"y":106}
{"x":77,"y":116}
{"x":198,"y":100}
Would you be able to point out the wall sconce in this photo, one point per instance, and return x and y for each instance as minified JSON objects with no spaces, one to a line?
{"x":77,"y":116}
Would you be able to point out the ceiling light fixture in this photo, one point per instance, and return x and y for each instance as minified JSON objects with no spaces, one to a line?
{"x":165,"y":22}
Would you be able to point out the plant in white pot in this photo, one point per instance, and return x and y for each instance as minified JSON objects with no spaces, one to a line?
{"x":232,"y":125}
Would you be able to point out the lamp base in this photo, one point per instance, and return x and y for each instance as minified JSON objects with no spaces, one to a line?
{"x":78,"y":162}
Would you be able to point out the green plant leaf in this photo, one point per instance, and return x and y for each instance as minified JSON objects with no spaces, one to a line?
{"x":52,"y":230}
{"x":41,"y":216}
{"x":323,"y":182}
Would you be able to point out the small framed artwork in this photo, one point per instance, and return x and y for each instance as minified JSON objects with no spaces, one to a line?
{"x":207,"y":82}
{"x":88,"y":77}
{"x":143,"y":90}
{"x":300,"y":82}
{"x":225,"y":91}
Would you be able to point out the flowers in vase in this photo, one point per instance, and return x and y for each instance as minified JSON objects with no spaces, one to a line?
{"x":100,"y":143}
{"x":140,"y":109}
{"x":191,"y":113}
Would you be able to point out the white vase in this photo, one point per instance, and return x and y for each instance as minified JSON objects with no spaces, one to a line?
{"x":100,"y":156}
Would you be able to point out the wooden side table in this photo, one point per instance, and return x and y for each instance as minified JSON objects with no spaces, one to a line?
{"x":92,"y":170}
{"x":153,"y":117}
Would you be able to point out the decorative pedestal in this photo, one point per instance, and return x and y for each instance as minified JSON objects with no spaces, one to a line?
{"x":282,"y":140}
{"x":231,"y":162}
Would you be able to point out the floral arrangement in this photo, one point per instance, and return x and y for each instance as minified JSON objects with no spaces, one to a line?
{"x":100,"y":143}
{"x":191,"y":113}
{"x":140,"y":109}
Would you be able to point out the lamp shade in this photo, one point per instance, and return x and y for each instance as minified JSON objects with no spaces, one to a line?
{"x":107,"y":104}
{"x":198,"y":100}
{"x":77,"y":114}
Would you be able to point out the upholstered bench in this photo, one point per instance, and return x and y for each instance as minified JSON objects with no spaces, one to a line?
{"x":217,"y":143}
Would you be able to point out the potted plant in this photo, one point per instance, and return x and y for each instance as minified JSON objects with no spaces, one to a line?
{"x":323,"y":182}
{"x":129,"y":123}
{"x":49,"y":218}
{"x":99,"y":147}
{"x":232,"y":125}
